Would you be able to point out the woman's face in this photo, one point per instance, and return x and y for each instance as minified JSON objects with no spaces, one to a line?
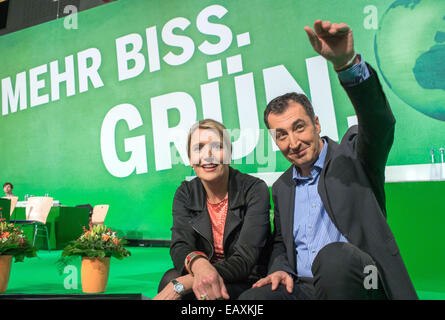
{"x":207,"y":154}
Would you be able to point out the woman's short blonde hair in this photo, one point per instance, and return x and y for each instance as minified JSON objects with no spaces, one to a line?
{"x":212,"y":125}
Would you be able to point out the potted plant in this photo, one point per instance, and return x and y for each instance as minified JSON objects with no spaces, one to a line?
{"x":13,"y":244}
{"x":96,"y":246}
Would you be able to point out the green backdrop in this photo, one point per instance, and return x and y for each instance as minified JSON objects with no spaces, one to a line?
{"x":51,"y":142}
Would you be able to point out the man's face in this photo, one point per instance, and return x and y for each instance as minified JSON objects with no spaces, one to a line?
{"x":7,"y":188}
{"x":297,"y":137}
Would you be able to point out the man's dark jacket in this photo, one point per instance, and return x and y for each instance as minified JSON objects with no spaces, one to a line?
{"x":246,"y":232}
{"x":351,"y":187}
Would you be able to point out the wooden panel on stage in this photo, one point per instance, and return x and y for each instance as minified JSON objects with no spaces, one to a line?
{"x":64,"y":224}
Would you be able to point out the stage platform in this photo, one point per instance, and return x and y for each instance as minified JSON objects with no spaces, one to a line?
{"x":138,"y":274}
{"x":134,"y":276}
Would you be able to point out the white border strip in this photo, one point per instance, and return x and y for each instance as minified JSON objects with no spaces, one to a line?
{"x":415,"y":172}
{"x":405,"y":173}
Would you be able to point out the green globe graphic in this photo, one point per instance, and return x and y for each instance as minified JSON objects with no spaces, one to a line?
{"x":410,"y":53}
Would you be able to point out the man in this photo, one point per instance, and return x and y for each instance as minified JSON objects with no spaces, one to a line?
{"x":7,"y":188}
{"x":331,"y":238}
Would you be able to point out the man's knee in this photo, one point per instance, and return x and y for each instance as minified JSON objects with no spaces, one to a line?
{"x":249,"y":294}
{"x":338,"y":258}
{"x":262,"y":293}
{"x":266,"y":293}
{"x":255,"y":294}
{"x":339,"y":272}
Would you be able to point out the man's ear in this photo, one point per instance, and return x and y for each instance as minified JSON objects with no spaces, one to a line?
{"x":273,"y":133}
{"x":317,"y":125}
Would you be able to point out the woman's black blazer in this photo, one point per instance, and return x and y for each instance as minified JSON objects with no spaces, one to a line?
{"x":246,"y":232}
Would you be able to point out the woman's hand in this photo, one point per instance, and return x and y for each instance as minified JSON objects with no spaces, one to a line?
{"x":207,"y":284}
{"x":168,"y":293}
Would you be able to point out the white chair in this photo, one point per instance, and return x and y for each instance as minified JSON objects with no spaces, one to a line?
{"x":37,"y":210}
{"x":99,"y":213}
{"x":13,"y":204}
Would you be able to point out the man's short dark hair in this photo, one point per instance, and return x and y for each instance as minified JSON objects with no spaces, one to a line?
{"x":280,"y":104}
{"x":6,"y":183}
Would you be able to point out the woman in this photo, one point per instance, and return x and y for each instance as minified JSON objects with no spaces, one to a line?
{"x":221,"y":223}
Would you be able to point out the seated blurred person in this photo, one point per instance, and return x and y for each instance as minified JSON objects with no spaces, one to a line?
{"x":7,"y":188}
{"x":220,"y":223}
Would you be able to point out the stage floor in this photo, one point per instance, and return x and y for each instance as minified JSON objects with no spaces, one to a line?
{"x":138,"y":274}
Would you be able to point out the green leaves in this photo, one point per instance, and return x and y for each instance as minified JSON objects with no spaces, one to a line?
{"x":98,"y":241}
{"x":13,"y":242}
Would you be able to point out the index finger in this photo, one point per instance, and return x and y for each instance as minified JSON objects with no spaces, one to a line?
{"x":318,"y":27}
{"x":313,"y":38}
{"x":275,"y":282}
{"x":262,"y":282}
{"x":289,"y":282}
{"x":343,"y":27}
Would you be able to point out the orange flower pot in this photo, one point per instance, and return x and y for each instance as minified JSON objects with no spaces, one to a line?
{"x":5,"y":271}
{"x":94,"y":274}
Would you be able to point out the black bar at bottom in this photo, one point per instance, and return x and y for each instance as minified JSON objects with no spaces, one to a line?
{"x":132,"y":296}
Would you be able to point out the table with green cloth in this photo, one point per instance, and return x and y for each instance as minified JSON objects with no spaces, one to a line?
{"x":5,"y":205}
{"x":64,"y":224}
